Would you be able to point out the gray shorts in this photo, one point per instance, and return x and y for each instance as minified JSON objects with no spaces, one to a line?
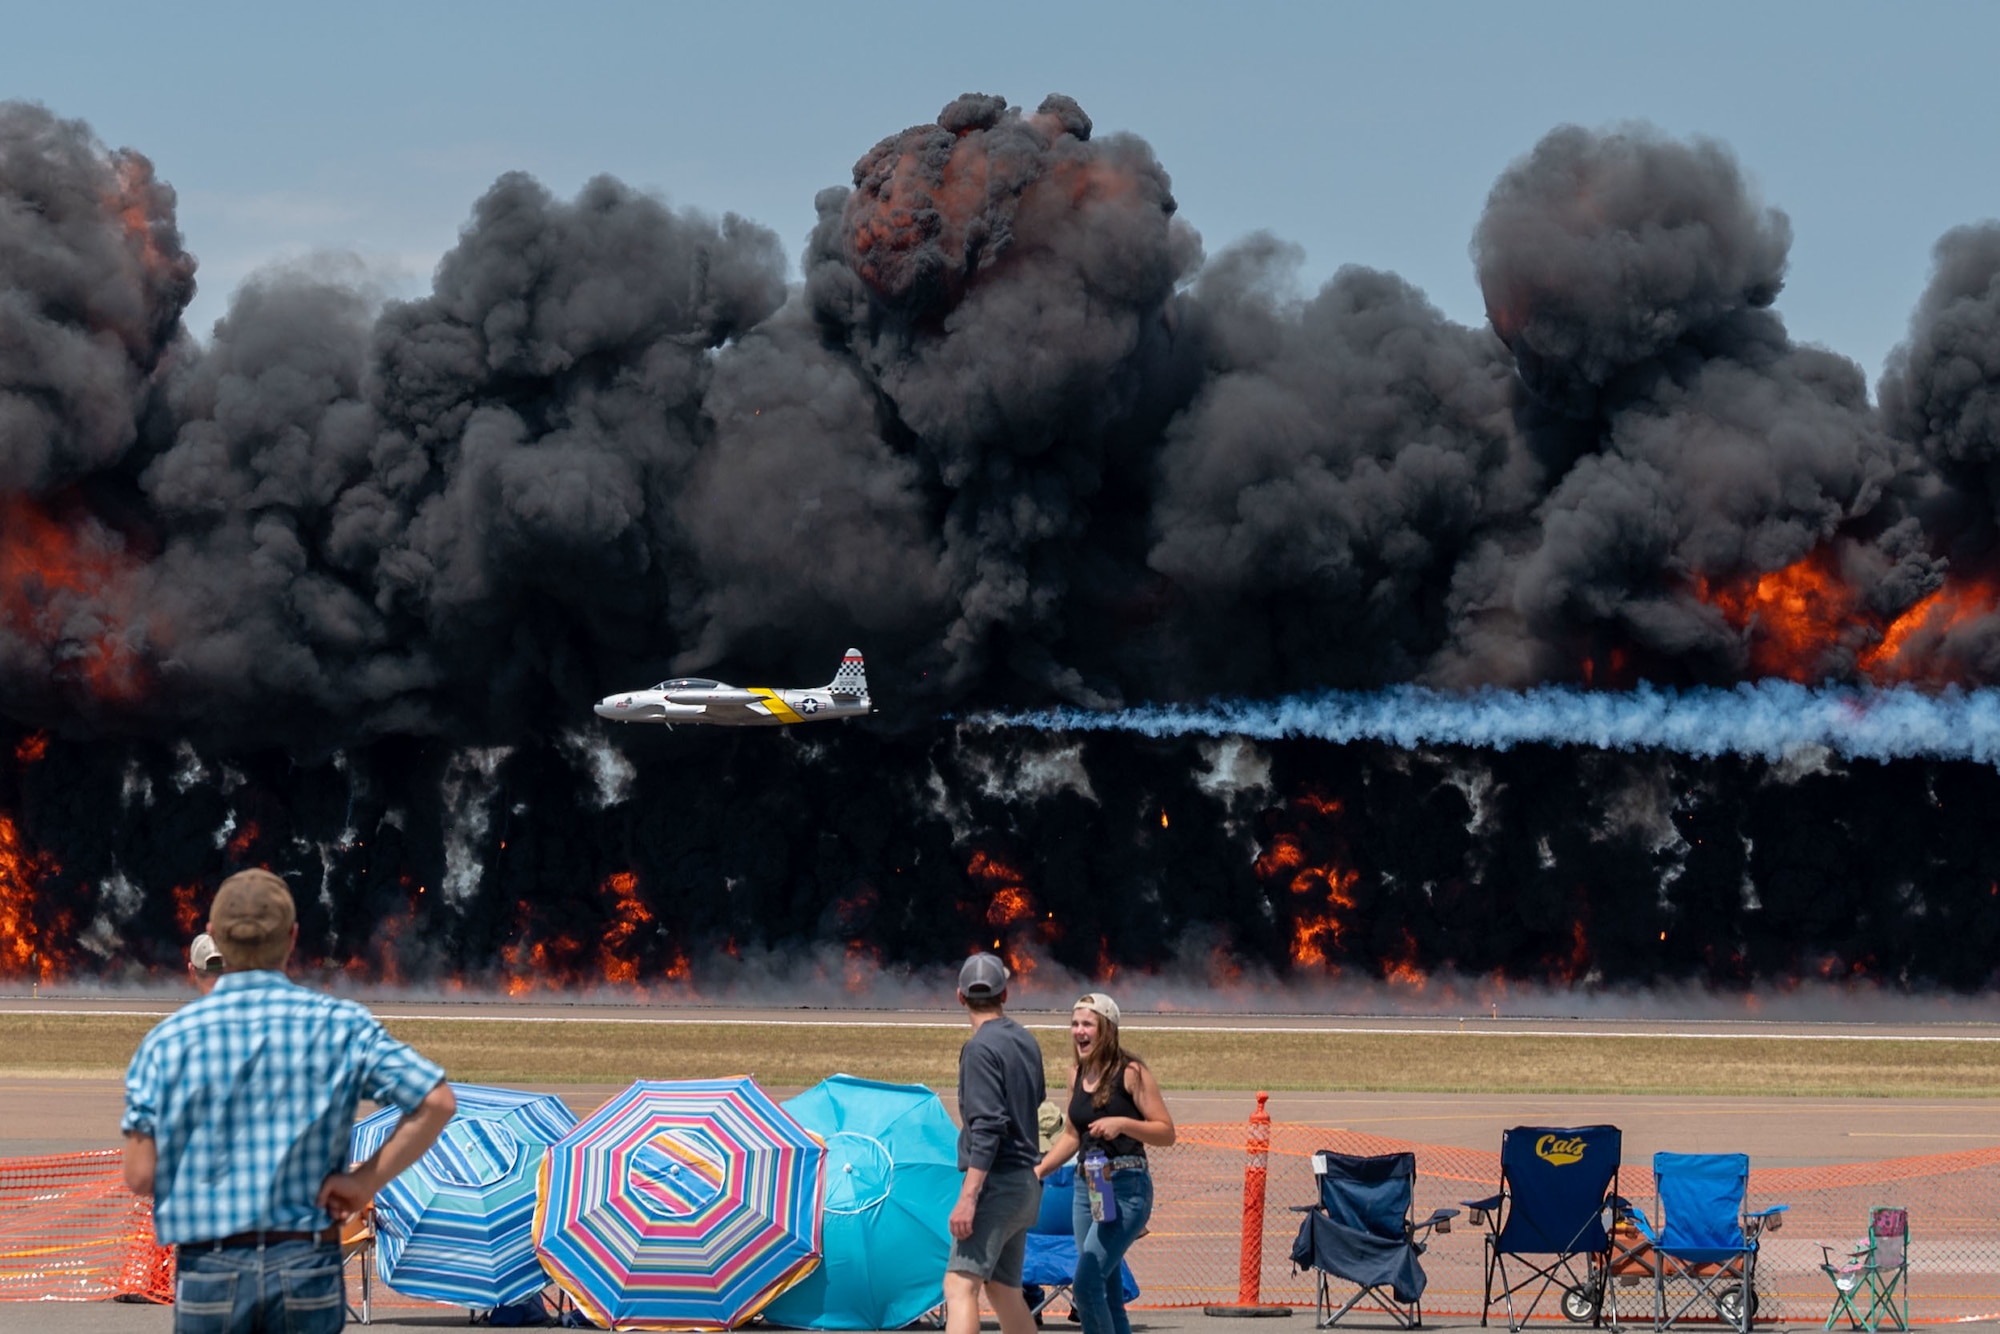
{"x":1009,"y":1203}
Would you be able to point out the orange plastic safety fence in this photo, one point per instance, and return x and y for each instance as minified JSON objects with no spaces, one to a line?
{"x":70,"y":1231}
{"x":1190,"y":1255}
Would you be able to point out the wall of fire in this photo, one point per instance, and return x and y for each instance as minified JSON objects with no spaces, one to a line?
{"x":1207,"y":863}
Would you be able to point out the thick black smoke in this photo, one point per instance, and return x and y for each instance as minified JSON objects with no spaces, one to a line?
{"x":1016,"y":435}
{"x":93,"y":280}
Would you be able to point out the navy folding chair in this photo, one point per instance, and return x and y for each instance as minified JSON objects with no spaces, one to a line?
{"x":1551,"y":1219}
{"x":1705,"y":1247}
{"x":1363,"y":1231}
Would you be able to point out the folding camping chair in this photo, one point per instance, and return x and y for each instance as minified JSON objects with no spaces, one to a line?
{"x":1557,"y":1188}
{"x":1363,"y":1231}
{"x":1050,"y":1263}
{"x":1878,"y":1268}
{"x":357,"y":1246}
{"x":1706,"y":1243}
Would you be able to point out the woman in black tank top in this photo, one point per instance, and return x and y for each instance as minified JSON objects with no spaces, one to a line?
{"x":1115,"y":1107}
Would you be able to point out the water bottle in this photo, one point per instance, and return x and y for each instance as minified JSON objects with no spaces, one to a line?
{"x":1097,"y":1180}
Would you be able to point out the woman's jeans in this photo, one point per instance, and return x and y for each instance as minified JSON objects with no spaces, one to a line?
{"x":1099,"y":1292}
{"x":291,"y":1286}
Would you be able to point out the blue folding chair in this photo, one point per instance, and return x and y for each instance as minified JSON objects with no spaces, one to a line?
{"x":1050,"y":1263}
{"x":1552,"y":1219}
{"x":1706,"y":1243}
{"x":1363,"y":1231}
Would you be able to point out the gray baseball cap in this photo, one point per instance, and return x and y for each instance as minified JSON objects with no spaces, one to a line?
{"x":203,"y":955}
{"x":982,"y":977}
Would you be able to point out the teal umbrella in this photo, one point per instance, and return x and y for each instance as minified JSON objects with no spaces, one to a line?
{"x":891,"y":1180}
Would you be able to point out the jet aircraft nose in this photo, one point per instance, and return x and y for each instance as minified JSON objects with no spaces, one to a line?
{"x":608,"y":706}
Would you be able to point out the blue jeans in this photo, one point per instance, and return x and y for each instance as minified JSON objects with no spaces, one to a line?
{"x":288,"y":1287}
{"x":1100,"y":1293}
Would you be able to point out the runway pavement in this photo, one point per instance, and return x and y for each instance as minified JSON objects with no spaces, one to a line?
{"x":54,"y":1114}
{"x":1475,"y":1020}
{"x":45,"y":1114}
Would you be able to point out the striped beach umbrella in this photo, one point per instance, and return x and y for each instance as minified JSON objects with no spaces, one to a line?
{"x":455,"y":1227}
{"x":680,"y":1204}
{"x":891,"y":1180}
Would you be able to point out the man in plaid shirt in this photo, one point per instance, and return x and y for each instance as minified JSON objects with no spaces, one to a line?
{"x":237,"y":1113}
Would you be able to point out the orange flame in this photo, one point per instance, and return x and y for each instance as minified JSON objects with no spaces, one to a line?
{"x":243,"y":840}
{"x":1912,"y":639}
{"x":1324,"y":887}
{"x":1793,"y":615}
{"x":135,"y":182}
{"x":1572,"y":966}
{"x":31,"y":748}
{"x":1010,"y":905}
{"x":24,"y":953}
{"x":615,"y":956}
{"x":1402,"y":969}
{"x":1796,"y":615}
{"x":862,"y":966}
{"x":1284,"y":854}
{"x":1008,"y":911}
{"x":187,"y":911}
{"x":66,"y":586}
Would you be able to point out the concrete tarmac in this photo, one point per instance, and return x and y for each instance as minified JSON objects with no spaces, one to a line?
{"x":56,"y":1115}
{"x":1474,"y":1021}
{"x":51,"y":1114}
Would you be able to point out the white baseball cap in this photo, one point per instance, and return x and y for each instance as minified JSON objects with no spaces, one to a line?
{"x":1100,"y":1003}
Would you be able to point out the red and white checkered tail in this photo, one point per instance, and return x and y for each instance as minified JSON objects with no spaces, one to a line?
{"x":852,"y":678}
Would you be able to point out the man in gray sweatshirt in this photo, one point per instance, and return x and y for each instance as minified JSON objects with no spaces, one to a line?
{"x":1000,"y":1093}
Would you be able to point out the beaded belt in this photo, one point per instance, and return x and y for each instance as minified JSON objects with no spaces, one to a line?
{"x":1132,"y":1162}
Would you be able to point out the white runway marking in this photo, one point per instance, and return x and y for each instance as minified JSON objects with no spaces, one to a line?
{"x":1135,"y":1027}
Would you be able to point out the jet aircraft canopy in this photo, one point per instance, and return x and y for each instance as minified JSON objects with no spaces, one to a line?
{"x":689,"y":683}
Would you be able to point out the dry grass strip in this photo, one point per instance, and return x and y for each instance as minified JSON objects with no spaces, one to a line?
{"x":586,"y":1052}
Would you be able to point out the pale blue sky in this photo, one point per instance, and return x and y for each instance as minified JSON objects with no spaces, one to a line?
{"x":1366,"y":134}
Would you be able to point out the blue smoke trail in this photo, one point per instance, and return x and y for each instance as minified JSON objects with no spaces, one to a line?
{"x":1769,"y":719}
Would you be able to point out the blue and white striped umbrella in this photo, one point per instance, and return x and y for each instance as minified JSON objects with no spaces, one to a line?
{"x":455,"y":1227}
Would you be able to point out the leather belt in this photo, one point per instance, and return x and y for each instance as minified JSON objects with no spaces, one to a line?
{"x":253,"y":1239}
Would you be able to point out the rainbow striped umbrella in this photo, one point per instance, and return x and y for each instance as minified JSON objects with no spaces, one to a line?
{"x":454,"y":1227}
{"x":680,"y":1204}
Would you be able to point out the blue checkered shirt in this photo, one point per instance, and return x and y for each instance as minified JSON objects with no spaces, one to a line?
{"x":249,"y":1095}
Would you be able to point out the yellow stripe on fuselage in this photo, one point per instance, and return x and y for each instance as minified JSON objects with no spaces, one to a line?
{"x":779,"y":709}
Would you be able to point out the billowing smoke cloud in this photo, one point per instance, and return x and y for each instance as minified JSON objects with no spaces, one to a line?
{"x":1942,"y":393}
{"x":1631,"y":277}
{"x":1020,"y":438}
{"x":93,"y":280}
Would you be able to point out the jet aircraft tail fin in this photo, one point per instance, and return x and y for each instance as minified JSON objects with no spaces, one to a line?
{"x":852,"y":678}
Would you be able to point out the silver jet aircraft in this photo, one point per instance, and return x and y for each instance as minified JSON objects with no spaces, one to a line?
{"x":693,"y":699}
